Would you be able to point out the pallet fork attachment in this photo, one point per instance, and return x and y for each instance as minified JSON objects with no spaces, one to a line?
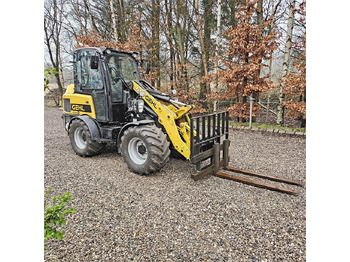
{"x":206,"y":134}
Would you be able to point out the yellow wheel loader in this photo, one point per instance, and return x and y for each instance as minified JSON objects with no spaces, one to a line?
{"x":110,"y":103}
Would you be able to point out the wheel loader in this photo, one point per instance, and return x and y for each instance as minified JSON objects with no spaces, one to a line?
{"x":109,"y":102}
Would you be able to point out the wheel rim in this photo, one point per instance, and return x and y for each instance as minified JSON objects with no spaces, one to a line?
{"x":137,"y":151}
{"x":80,"y":138}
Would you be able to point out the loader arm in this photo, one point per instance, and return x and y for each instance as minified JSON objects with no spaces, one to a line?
{"x":174,"y":120}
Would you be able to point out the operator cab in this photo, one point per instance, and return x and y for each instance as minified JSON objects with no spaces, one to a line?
{"x":106,"y":75}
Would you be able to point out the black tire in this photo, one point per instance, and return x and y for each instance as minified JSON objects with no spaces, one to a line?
{"x":80,"y":139}
{"x":145,"y":149}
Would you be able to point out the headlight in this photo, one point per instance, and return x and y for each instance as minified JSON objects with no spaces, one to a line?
{"x":139,"y":104}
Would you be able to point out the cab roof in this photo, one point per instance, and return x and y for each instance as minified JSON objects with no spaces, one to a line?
{"x":103,"y":49}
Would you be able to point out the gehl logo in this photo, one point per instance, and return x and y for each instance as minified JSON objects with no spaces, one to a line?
{"x":150,"y":100}
{"x":83,"y":108}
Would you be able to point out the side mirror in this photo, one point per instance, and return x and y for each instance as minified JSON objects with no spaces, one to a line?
{"x":94,"y":62}
{"x":148,"y":68}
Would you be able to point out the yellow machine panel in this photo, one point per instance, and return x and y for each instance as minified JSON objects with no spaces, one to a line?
{"x":167,"y":114}
{"x":78,"y":104}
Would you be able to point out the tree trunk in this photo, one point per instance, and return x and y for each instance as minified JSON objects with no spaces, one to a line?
{"x":201,"y":41}
{"x":113,"y":21}
{"x":260,"y":16}
{"x":82,"y":28}
{"x":170,"y":37}
{"x":260,"y":20}
{"x":288,"y":47}
{"x":155,"y":41}
{"x":58,"y":50}
{"x":179,"y":39}
{"x":92,"y":20}
{"x":61,"y":70}
{"x":217,"y":46}
{"x":204,"y":90}
{"x":267,"y":108}
{"x":121,"y":25}
{"x":208,"y":26}
{"x":232,"y":5}
{"x":233,"y":20}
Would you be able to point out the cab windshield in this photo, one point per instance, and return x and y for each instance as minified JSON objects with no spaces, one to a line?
{"x":123,"y":66}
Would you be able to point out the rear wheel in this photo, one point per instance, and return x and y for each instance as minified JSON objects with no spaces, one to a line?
{"x":81,"y":141}
{"x":145,"y":149}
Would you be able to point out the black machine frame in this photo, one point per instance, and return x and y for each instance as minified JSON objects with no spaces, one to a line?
{"x":206,"y":134}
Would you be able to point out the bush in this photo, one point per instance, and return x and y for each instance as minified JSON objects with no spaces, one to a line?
{"x":47,"y":76}
{"x":55,"y":215}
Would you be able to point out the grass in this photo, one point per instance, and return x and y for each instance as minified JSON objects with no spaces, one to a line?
{"x":264,"y":126}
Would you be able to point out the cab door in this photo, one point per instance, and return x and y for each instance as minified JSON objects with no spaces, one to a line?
{"x":89,"y":81}
{"x":118,"y":92}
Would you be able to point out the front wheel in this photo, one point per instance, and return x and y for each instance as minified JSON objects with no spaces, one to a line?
{"x":81,"y":141}
{"x":145,"y":149}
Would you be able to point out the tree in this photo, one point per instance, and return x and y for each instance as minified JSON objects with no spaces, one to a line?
{"x":295,"y":81}
{"x":92,"y":19}
{"x":247,"y":53}
{"x":208,"y":50}
{"x":205,"y":46}
{"x":169,"y":33}
{"x":52,"y":30}
{"x":113,"y":21}
{"x":155,"y":44}
{"x":217,"y":47}
{"x":288,"y":48}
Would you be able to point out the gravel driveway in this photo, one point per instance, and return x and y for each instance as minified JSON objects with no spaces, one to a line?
{"x":167,"y":216}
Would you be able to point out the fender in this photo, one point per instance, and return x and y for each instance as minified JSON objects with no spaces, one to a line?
{"x":94,"y":128}
{"x":138,"y":123}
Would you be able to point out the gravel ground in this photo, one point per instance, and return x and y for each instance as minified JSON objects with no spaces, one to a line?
{"x":167,"y":216}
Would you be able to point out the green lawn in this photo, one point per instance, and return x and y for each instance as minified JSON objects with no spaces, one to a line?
{"x":264,"y":126}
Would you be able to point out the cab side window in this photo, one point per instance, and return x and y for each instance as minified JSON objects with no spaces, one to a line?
{"x":87,"y":78}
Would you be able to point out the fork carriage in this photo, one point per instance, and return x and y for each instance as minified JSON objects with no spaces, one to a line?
{"x":211,"y":156}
